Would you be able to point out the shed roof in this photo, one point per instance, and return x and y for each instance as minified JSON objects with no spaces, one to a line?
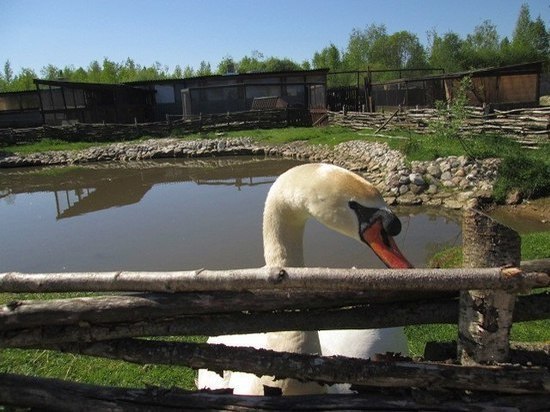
{"x":85,"y":85}
{"x":233,"y":76}
{"x":523,"y":68}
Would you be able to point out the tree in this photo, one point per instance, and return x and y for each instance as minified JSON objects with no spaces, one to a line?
{"x":8,"y":72}
{"x":51,"y":72}
{"x":275,"y":64}
{"x":178,"y":73}
{"x":109,"y":71}
{"x":328,"y":58}
{"x":482,"y":47}
{"x":364,"y":47}
{"x":204,"y":69}
{"x":188,"y":72}
{"x":306,"y":65}
{"x":24,"y":80}
{"x":94,"y":72}
{"x":403,"y":51}
{"x":227,"y":66}
{"x":446,"y":52}
{"x":530,"y":40}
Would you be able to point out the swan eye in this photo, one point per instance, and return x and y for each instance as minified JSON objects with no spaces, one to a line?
{"x":367,"y":216}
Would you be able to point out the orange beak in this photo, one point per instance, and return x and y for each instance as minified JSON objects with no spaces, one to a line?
{"x":384,"y":246}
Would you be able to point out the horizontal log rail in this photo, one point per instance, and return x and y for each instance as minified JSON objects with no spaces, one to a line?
{"x":69,"y":396}
{"x":393,"y":373}
{"x":20,"y":314}
{"x":31,"y":328}
{"x":266,"y":278}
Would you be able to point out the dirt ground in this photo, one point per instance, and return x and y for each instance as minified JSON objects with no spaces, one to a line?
{"x":533,"y":214}
{"x":538,"y":209}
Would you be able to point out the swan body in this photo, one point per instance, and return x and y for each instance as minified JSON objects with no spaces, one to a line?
{"x":348,"y":204}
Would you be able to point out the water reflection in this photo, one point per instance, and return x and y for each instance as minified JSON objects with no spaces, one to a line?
{"x":172,"y":215}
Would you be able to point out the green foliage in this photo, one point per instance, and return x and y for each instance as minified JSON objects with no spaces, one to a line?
{"x":528,"y":173}
{"x":520,"y":172}
{"x":452,"y":114}
{"x":256,"y":63}
{"x":531,"y":40}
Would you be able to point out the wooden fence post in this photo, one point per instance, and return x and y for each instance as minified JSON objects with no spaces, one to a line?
{"x":486,"y":315}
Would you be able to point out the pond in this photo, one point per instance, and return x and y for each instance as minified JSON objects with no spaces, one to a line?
{"x":176,"y":214}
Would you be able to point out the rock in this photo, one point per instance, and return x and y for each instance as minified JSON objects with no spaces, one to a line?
{"x":416,"y":189}
{"x":403,"y":189}
{"x":446,"y":176}
{"x":452,"y":204}
{"x":434,"y":170}
{"x":404,"y":180}
{"x":456,"y":181}
{"x":416,"y":179}
{"x":514,"y":197}
{"x":432,"y":190}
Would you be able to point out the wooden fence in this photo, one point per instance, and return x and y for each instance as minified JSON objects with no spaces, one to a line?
{"x":252,"y":119}
{"x":487,"y":371}
{"x":530,"y":126}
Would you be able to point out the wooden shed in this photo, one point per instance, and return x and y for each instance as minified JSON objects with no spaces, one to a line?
{"x":235,"y":92}
{"x":501,"y":87}
{"x":68,"y":102}
{"x":20,"y":109}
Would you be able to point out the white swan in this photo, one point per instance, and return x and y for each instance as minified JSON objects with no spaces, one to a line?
{"x":348,"y":204}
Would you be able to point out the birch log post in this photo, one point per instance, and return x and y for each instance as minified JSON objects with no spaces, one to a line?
{"x":486,"y":315}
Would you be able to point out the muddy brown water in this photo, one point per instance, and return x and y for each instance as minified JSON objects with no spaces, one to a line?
{"x":173,"y":215}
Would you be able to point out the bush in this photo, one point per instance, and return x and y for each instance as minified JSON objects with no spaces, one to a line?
{"x":527,"y":175}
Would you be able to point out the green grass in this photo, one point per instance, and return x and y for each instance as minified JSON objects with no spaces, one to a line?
{"x":315,"y":135}
{"x":99,"y":371}
{"x":46,"y":145}
{"x":527,"y":171}
{"x":533,"y":246}
{"x":81,"y":368}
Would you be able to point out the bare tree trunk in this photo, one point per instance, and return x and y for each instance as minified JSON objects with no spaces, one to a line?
{"x":486,"y":315}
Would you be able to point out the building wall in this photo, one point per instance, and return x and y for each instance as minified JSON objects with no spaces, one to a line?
{"x":19,"y":109}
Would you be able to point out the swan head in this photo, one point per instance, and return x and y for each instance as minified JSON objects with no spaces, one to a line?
{"x":344,"y":202}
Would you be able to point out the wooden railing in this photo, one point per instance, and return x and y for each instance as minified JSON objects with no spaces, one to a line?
{"x":483,"y":301}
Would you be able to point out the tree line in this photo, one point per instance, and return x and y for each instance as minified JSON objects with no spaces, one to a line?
{"x":372,"y":47}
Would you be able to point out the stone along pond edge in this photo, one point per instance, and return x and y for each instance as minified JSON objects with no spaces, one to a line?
{"x":454,"y":182}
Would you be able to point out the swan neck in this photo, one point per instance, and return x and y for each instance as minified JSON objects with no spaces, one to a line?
{"x":283,"y":232}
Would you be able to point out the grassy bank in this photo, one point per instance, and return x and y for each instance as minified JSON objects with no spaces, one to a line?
{"x":527,"y":171}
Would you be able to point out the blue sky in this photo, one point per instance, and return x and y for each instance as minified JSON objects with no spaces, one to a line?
{"x":35,"y":33}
